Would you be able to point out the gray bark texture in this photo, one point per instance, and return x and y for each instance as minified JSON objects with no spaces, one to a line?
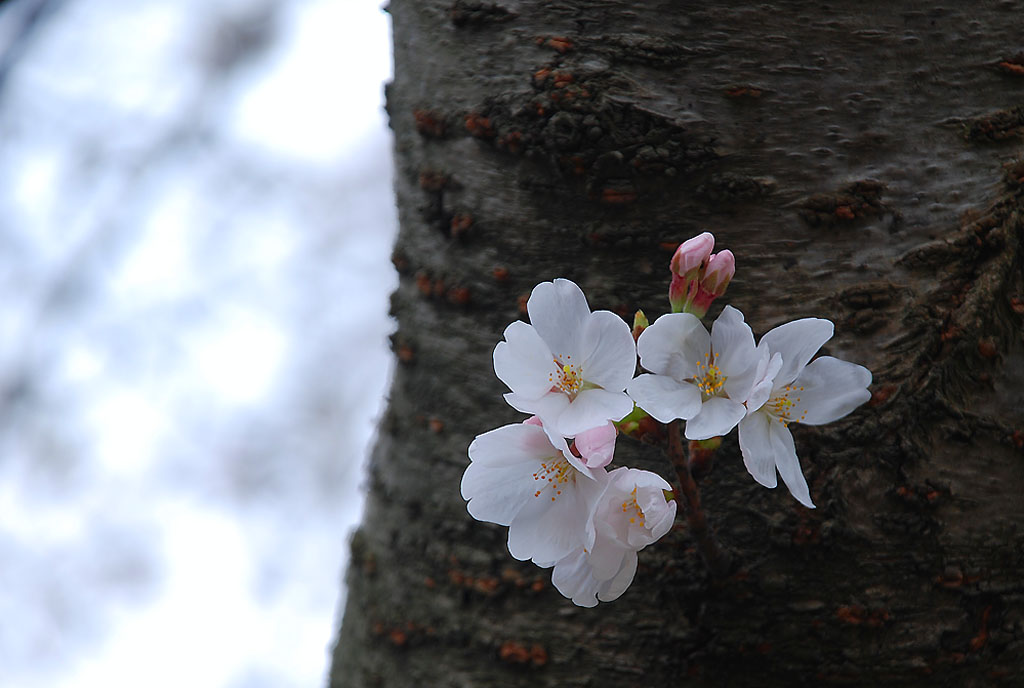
{"x":863,"y":162}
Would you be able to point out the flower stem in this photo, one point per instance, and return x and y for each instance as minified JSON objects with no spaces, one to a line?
{"x":715,"y":558}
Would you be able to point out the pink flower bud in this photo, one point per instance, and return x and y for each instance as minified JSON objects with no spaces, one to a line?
{"x":692,"y":254}
{"x":597,"y":445}
{"x":721,"y":268}
{"x":679,"y":292}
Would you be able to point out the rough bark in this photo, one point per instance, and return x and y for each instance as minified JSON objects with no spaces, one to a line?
{"x":862,"y":160}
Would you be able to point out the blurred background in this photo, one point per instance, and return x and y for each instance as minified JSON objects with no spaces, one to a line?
{"x":196,"y":218}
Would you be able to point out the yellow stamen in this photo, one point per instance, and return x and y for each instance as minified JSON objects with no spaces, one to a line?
{"x":631,"y":505}
{"x":568,"y":378}
{"x":554,"y":473}
{"x":781,"y":406}
{"x":709,"y":377}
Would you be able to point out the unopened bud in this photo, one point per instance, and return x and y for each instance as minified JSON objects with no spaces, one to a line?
{"x":597,"y":445}
{"x":679,"y":292}
{"x":688,"y":265}
{"x":721,"y":268}
{"x":717,"y":275}
{"x":692,"y":254}
{"x":640,"y":324}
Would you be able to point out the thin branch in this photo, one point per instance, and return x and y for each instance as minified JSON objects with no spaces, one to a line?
{"x":717,"y":559}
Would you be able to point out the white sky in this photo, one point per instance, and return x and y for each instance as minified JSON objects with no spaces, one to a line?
{"x":195,"y":272}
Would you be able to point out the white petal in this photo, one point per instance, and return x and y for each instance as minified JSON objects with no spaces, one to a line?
{"x":499,"y":481}
{"x":559,"y":311}
{"x":571,"y":576}
{"x":756,"y":446}
{"x":524,"y":362}
{"x":732,"y":342}
{"x":614,"y":588}
{"x":608,"y":352}
{"x":496,"y":495}
{"x":797,"y":341}
{"x":717,"y":416}
{"x":595,"y":494}
{"x":674,"y":345}
{"x":664,"y":398}
{"x":659,"y":513}
{"x":663,"y":520}
{"x":511,"y":444}
{"x":764,"y":380}
{"x":641,"y":479}
{"x":550,"y":405}
{"x":591,"y":408}
{"x":831,"y":389}
{"x":546,"y":530}
{"x":788,"y":464}
{"x":605,"y":558}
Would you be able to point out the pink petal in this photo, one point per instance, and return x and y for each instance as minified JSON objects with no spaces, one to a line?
{"x":597,"y":446}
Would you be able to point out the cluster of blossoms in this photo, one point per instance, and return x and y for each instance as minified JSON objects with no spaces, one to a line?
{"x":573,"y":371}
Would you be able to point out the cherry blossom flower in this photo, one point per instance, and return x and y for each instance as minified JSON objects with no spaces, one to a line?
{"x":789,"y":390}
{"x":695,"y":376}
{"x":569,"y":366}
{"x":544,"y":494}
{"x":630,"y":513}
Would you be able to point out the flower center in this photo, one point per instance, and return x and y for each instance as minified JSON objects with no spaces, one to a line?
{"x":568,"y":378}
{"x":633,"y":510}
{"x":709,"y":377}
{"x":554,"y":473}
{"x":781,"y":405}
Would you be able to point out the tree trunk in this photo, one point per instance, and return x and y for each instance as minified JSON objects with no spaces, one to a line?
{"x":861,"y":159}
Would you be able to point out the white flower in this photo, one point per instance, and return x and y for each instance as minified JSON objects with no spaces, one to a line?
{"x":788,"y":390}
{"x":630,"y":513}
{"x":574,"y":578}
{"x":698,"y":377}
{"x":544,"y":494}
{"x":569,"y":366}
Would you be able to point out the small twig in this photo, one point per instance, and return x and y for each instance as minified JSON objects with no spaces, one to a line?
{"x":717,"y":559}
